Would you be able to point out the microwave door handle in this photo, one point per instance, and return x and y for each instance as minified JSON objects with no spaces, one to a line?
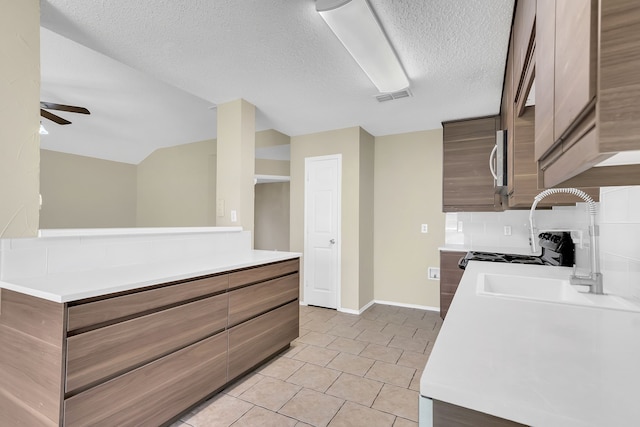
{"x":492,"y":162}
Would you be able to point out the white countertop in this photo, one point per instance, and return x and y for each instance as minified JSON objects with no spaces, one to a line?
{"x":66,"y":287}
{"x":479,"y":248}
{"x":536,"y":363}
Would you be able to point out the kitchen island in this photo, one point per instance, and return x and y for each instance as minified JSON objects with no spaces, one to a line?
{"x":520,"y":361}
{"x":141,"y":342}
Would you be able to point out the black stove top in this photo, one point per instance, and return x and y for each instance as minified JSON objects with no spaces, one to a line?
{"x":497,"y":257}
{"x":557,"y":249}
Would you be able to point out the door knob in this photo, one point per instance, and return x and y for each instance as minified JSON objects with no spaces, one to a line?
{"x":332,"y":241}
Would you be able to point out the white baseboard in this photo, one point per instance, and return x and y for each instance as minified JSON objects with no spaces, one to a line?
{"x":400,"y":304}
{"x":397,"y":304}
{"x":348,"y":311}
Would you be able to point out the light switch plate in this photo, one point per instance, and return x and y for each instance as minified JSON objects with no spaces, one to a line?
{"x":507,"y":230}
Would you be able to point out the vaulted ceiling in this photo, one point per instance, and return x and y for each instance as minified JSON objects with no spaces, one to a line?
{"x":151,"y":70}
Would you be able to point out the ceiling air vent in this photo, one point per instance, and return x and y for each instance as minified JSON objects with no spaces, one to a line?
{"x":384,"y":97}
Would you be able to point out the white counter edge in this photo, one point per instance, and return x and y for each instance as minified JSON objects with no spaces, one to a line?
{"x":74,"y":232}
{"x":275,"y":256}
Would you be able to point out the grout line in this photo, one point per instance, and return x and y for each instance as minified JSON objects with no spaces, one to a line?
{"x":334,"y":415}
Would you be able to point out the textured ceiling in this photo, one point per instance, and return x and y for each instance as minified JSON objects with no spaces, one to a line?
{"x":282,"y":57}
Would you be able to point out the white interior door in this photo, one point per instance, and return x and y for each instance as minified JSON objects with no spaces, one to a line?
{"x":322,"y":230}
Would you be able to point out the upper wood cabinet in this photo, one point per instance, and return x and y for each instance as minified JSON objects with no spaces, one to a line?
{"x":520,"y":121}
{"x":523,"y":44}
{"x":467,"y":181}
{"x":523,"y":174}
{"x":587,"y":56}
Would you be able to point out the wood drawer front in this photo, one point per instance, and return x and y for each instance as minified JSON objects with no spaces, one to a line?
{"x":248,"y":302}
{"x":265,"y":272}
{"x":252,"y":342}
{"x":153,"y":393}
{"x":103,"y":352}
{"x":96,"y":312}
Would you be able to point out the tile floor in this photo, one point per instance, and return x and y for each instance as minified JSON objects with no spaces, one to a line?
{"x":343,"y":370}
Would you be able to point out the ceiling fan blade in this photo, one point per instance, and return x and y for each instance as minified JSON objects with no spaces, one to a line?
{"x":59,"y":120}
{"x":62,"y":107}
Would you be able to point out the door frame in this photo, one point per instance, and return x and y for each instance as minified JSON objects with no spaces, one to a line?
{"x":307,"y":161}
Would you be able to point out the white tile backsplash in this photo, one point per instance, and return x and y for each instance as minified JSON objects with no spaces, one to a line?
{"x":35,"y":257}
{"x":486,"y":229}
{"x":618,"y":218}
{"x":620,"y":240}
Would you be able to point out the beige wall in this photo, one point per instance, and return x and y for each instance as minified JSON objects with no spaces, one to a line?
{"x":177,"y":186}
{"x":83,"y":192}
{"x":347,"y":143}
{"x":272,"y":216}
{"x":367,"y":156}
{"x":270,"y":138}
{"x":408,"y":193}
{"x":19,"y":138}
{"x":273,"y":167}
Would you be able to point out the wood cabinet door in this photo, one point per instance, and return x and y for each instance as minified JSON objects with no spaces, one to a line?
{"x":251,"y":301}
{"x":152,"y":394}
{"x":575,"y":61}
{"x":448,"y":415}
{"x":254,"y":341}
{"x":508,"y":113}
{"x":109,"y":309}
{"x":467,"y":181}
{"x":523,"y":40}
{"x":101,"y":353}
{"x":450,"y":275}
{"x":263,"y":272}
{"x":545,"y":76}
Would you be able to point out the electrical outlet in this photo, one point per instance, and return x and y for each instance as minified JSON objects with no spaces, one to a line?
{"x":424,"y":228}
{"x":234,"y":216}
{"x":433,"y":273}
{"x":507,"y":230}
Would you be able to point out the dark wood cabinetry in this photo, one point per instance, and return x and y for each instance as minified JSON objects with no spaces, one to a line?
{"x":567,"y":60}
{"x":523,"y":174}
{"x":467,"y":181}
{"x":523,"y":122}
{"x":523,"y":43}
{"x":254,"y":341}
{"x":450,"y":275}
{"x":448,"y":415}
{"x":587,"y":90}
{"x":144,"y":356}
{"x":157,"y":391}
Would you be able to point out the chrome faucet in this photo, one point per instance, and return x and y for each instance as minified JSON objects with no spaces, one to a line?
{"x":594,"y":279}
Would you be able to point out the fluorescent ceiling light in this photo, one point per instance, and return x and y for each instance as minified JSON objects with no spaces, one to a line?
{"x":43,"y":131}
{"x":355,"y":24}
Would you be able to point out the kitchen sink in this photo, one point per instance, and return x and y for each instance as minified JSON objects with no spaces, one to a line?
{"x":548,"y":290}
{"x":533,"y":288}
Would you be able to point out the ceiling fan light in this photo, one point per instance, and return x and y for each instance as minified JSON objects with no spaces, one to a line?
{"x":43,"y":131}
{"x":357,"y":27}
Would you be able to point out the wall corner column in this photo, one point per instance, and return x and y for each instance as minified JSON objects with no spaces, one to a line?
{"x":236,"y":165}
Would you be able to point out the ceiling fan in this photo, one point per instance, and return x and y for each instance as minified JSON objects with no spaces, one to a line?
{"x":44,"y":106}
